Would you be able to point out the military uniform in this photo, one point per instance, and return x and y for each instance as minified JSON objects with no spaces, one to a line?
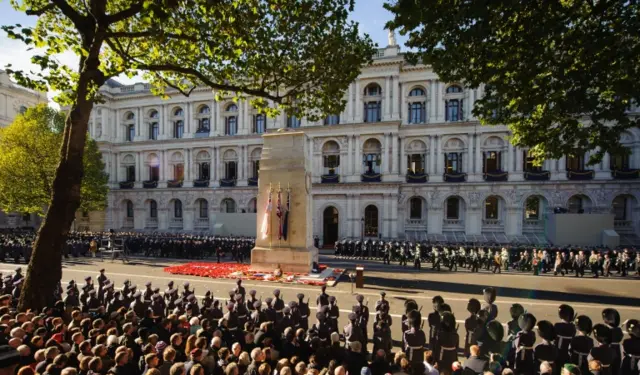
{"x":581,"y":344}
{"x":470,"y":325}
{"x":334,"y":314}
{"x":546,"y":350}
{"x":434,"y":323}
{"x":611,"y":318}
{"x":303,"y":309}
{"x":490,"y":298}
{"x":603,"y":351}
{"x":352,"y":331}
{"x":414,"y":339}
{"x":565,"y":331}
{"x":523,"y":345}
{"x":362,"y":313}
{"x":278,"y":305}
{"x":448,"y":341}
{"x":631,"y":348}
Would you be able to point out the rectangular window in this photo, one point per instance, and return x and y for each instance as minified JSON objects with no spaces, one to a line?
{"x":332,"y":120}
{"x":619,"y":162}
{"x":491,"y":162}
{"x":256,"y":168}
{"x":259,"y":124}
{"x":415,"y":163}
{"x":178,"y":172}
{"x":371,"y":163}
{"x":131,"y":173}
{"x":131,"y":133}
{"x":154,"y":173}
{"x":293,"y":122}
{"x":204,"y":210}
{"x":153,"y":209}
{"x":575,"y":163}
{"x":452,"y":209}
{"x":204,"y":171}
{"x":231,"y":170}
{"x":452,"y":162}
{"x":231,"y":125}
{"x":372,"y":112}
{"x":529,"y":166}
{"x":417,"y":113}
{"x":179,"y":129}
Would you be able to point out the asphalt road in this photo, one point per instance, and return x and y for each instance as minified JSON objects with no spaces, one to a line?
{"x":540,"y":295}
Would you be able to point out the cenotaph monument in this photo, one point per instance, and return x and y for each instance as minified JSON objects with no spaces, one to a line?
{"x":284,"y":237}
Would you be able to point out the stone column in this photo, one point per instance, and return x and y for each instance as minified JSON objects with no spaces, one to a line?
{"x":117,"y":164}
{"x":432,"y":156}
{"x":219,"y":124}
{"x":358,"y":104}
{"x":163,"y":169}
{"x":348,"y":216}
{"x":403,"y":107}
{"x":387,"y":99}
{"x":434,"y":223}
{"x":385,"y":228}
{"x":439,"y":157}
{"x":138,"y":183}
{"x":562,"y":168}
{"x":510,"y":158}
{"x":473,"y":220}
{"x":188,"y":120}
{"x":139,"y":216}
{"x":439,"y":103}
{"x":349,"y":109}
{"x":634,"y":159}
{"x":241,"y":163}
{"x":188,"y":216}
{"x":472,"y":102}
{"x":215,"y":172}
{"x":357,"y":162}
{"x":349,"y":161}
{"x":403,"y":156}
{"x":432,"y":101}
{"x":478,"y":157}
{"x":357,"y":214}
{"x":394,"y":215}
{"x":385,"y":153}
{"x":245,"y":117}
{"x":513,"y":221}
{"x":395,"y":102}
{"x":605,"y":170}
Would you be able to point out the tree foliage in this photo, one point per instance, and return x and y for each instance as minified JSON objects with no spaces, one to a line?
{"x":300,"y":55}
{"x":29,"y":155}
{"x":560,"y":74}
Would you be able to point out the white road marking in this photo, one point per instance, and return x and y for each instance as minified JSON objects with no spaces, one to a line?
{"x":502,"y":301}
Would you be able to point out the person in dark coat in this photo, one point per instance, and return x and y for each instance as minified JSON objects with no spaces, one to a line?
{"x":303,"y":309}
{"x":414,"y":339}
{"x":476,"y":363}
{"x":490,"y":298}
{"x":434,"y":322}
{"x":470,"y":325}
{"x":565,"y":331}
{"x":447,"y":341}
{"x":523,"y":345}
{"x":516,"y":310}
{"x":581,"y":343}
{"x":603,"y":352}
{"x":611,"y":318}
{"x":546,"y":350}
{"x":631,"y":348}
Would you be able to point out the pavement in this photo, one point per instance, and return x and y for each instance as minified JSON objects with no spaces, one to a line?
{"x":540,"y":295}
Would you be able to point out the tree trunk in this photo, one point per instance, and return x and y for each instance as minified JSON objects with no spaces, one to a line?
{"x":45,"y":268}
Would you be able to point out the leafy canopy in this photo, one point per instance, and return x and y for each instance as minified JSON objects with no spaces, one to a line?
{"x":29,"y":155}
{"x":301,"y":54}
{"x":560,"y":74}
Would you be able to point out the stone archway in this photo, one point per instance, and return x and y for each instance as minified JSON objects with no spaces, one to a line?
{"x":330,"y":226}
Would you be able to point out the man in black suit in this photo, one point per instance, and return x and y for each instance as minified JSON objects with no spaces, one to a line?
{"x":475,"y":362}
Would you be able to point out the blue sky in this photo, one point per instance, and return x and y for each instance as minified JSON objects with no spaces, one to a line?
{"x":368,"y":13}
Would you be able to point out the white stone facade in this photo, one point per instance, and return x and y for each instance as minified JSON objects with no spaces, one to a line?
{"x":398,"y":118}
{"x":15,"y":99}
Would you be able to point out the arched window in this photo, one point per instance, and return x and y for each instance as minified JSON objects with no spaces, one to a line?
{"x":129,"y":209}
{"x":231,"y":108}
{"x":231,"y":120}
{"x":131,"y":132}
{"x":453,"y":208}
{"x":454,"y":89}
{"x":154,"y":114}
{"x":620,"y":204}
{"x":491,"y":208}
{"x":416,"y":92}
{"x":177,"y":209}
{"x":253,"y":206}
{"x":259,"y":123}
{"x":417,"y":112}
{"x":203,"y":208}
{"x":204,"y":110}
{"x":332,"y":120}
{"x":153,"y":209}
{"x":229,"y":206}
{"x":204,"y":122}
{"x":178,"y":112}
{"x":415,"y":208}
{"x":130,"y":116}
{"x":371,"y":221}
{"x":532,"y":208}
{"x":22,"y":110}
{"x":373,"y":90}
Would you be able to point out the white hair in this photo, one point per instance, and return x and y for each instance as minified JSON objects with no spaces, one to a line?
{"x":194,"y":321}
{"x":335,"y":337}
{"x":256,"y":353}
{"x":112,"y":340}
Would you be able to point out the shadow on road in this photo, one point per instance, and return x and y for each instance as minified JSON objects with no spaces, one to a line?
{"x":583,"y":295}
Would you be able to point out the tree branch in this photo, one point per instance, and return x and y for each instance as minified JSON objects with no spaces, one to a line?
{"x":72,"y":14}
{"x":146,"y":34}
{"x":41,"y":11}
{"x":124,"y":14}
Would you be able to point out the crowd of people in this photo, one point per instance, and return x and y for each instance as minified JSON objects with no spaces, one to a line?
{"x":96,"y":328}
{"x":560,"y":261}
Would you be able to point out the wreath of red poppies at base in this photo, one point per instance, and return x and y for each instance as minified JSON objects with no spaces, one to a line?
{"x":234,"y":271}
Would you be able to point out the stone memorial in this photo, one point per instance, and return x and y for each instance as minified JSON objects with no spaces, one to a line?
{"x":286,"y":168}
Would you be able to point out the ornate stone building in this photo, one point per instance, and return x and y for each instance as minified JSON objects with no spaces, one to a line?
{"x":406,"y":158}
{"x":15,"y":99}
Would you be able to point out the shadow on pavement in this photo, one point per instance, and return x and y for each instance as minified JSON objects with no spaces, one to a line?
{"x":583,"y":295}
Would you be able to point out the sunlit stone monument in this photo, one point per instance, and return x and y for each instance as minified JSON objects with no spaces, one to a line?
{"x":285,"y":165}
